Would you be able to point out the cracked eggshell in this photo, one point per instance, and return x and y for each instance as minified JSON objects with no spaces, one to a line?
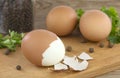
{"x":73,"y":63}
{"x":60,"y":66}
{"x":85,"y":56}
{"x":43,"y":48}
{"x":82,"y":66}
{"x":70,"y":60}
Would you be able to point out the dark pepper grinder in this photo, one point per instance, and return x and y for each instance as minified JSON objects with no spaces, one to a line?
{"x":17,"y":15}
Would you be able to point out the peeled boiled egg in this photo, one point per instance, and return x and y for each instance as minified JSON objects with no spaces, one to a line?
{"x":43,"y":48}
{"x":61,"y":20}
{"x":95,"y":25}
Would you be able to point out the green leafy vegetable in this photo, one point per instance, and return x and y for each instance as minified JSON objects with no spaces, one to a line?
{"x":11,"y":41}
{"x":114,"y":36}
{"x":79,"y":13}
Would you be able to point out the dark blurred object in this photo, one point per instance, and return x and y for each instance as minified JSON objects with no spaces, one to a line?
{"x":1,"y":21}
{"x":16,"y":15}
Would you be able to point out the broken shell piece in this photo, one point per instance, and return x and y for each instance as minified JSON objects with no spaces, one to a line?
{"x":73,"y":63}
{"x":80,"y":66}
{"x":60,"y":66}
{"x":84,"y":56}
{"x":70,"y":60}
{"x":83,"y":65}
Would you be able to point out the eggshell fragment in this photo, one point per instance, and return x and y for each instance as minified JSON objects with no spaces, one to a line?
{"x":81,"y":66}
{"x":73,"y":63}
{"x":60,"y":66}
{"x":70,"y":60}
{"x":84,"y":56}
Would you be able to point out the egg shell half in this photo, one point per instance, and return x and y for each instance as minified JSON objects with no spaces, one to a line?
{"x":43,"y":48}
{"x":95,"y":25}
{"x":61,"y":20}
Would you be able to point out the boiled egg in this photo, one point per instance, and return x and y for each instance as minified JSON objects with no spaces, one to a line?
{"x":61,"y":20}
{"x":95,"y":25}
{"x":43,"y":48}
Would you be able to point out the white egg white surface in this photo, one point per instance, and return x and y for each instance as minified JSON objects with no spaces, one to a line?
{"x":54,"y":53}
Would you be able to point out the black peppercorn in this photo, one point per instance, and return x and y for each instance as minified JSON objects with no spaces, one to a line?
{"x":18,"y":67}
{"x":110,"y":45}
{"x":101,"y":45}
{"x":69,"y":48}
{"x":7,"y":52}
{"x":91,"y":50}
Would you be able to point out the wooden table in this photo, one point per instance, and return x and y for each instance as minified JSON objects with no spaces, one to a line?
{"x":44,"y":6}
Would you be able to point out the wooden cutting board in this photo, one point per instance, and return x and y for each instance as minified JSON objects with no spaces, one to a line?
{"x":105,"y":60}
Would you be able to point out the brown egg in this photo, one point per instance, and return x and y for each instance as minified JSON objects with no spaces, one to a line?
{"x":95,"y":25}
{"x":61,"y":20}
{"x":42,"y":48}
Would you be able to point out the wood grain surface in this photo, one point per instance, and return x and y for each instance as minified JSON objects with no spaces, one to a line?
{"x":105,"y":60}
{"x":44,"y":6}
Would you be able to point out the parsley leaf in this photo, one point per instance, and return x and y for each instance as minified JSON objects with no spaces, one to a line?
{"x":79,"y":13}
{"x":11,"y":41}
{"x":114,"y":36}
